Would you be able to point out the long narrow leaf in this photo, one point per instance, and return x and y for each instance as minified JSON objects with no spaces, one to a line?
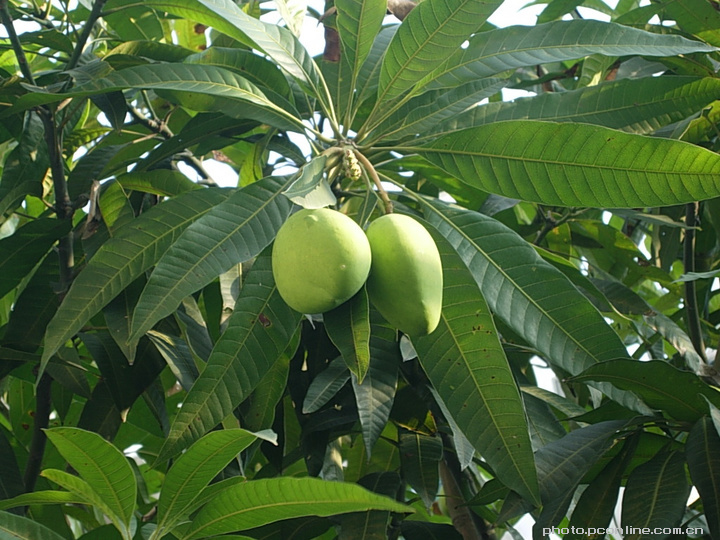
{"x":530,"y":295}
{"x":465,"y":362}
{"x":232,"y":232}
{"x":632,"y":105}
{"x":375,"y":395}
{"x":348,"y":326}
{"x":431,"y":33}
{"x":277,"y":42}
{"x":577,"y":165}
{"x":257,"y":334}
{"x":123,"y":258}
{"x":22,"y":528}
{"x":24,"y":249}
{"x":194,"y":470}
{"x":703,"y":458}
{"x":101,"y":465}
{"x":498,"y":50}
{"x":268,"y":500}
{"x":656,"y":493}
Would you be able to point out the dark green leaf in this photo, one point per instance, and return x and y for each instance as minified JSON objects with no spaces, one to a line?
{"x":122,"y":259}
{"x":348,"y":326}
{"x":257,"y":333}
{"x":375,"y":395}
{"x":576,"y":164}
{"x":326,"y":385}
{"x":232,"y":232}
{"x":529,"y":295}
{"x":421,"y":455}
{"x":661,"y":385}
{"x":465,"y":362}
{"x":22,"y":528}
{"x":656,"y":494}
{"x":25,"y":248}
{"x":703,"y":458}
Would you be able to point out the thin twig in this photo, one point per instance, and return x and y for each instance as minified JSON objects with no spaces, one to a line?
{"x":85,"y":34}
{"x":64,"y":209}
{"x":7,"y":21}
{"x":41,"y":422}
{"x":692,"y":310}
{"x":161,"y":129}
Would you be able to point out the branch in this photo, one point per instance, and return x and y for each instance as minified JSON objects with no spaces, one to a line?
{"x":42,"y":421}
{"x":692,"y":310}
{"x":85,"y":34}
{"x":161,"y":129}
{"x":64,"y":208}
{"x":7,"y":21}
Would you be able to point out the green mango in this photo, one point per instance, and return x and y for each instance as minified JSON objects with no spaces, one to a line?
{"x":320,"y":259}
{"x":406,"y":280}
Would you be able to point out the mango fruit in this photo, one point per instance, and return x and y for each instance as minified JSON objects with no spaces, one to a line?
{"x":320,"y":259}
{"x":406,"y":280}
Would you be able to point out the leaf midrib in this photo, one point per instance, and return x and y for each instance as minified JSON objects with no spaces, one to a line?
{"x":171,"y":291}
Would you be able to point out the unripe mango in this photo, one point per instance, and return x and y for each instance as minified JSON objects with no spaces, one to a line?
{"x":406,"y":281}
{"x":320,"y":259}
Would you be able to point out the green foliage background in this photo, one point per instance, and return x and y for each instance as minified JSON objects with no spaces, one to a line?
{"x":154,"y":384}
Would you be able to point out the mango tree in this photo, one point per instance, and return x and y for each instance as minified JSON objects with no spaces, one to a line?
{"x":154,"y":382}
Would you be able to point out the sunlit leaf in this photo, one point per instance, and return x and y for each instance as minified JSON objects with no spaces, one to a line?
{"x":268,"y":500}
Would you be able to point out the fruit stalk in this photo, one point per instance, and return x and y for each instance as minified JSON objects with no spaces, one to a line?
{"x":376,"y":179}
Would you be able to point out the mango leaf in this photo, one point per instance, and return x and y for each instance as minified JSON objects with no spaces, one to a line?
{"x":348,"y":327}
{"x":656,"y":493}
{"x":465,"y":362}
{"x":596,"y":505}
{"x":427,"y":110}
{"x":430,"y":34}
{"x":311,"y":189}
{"x":232,"y":232}
{"x":42,"y":497}
{"x":277,"y":42}
{"x":258,"y":410}
{"x":257,"y":69}
{"x":576,"y":164}
{"x":632,"y":105}
{"x":375,"y":395}
{"x":122,"y":259}
{"x":694,"y":17}
{"x":22,"y":251}
{"x":372,"y":524}
{"x":562,"y":464}
{"x":80,"y":489}
{"x":206,"y":87}
{"x":702,"y":450}
{"x":25,"y":166}
{"x":105,"y":469}
{"x":512,"y":47}
{"x":529,"y":295}
{"x":11,"y":479}
{"x":661,"y":385}
{"x":421,"y":455}
{"x":22,"y":528}
{"x":194,"y":470}
{"x":263,"y":501}
{"x":178,"y":357}
{"x":358,"y":22}
{"x":257,"y":333}
{"x":325,"y":385}
{"x":162,"y":182}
